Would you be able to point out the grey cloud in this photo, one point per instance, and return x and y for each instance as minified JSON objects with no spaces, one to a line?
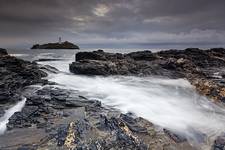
{"x":112,"y":21}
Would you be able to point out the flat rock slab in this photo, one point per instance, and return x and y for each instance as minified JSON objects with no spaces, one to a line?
{"x":13,"y":139}
{"x":74,"y":115}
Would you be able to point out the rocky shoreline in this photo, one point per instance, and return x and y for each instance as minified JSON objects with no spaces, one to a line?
{"x":203,"y":68}
{"x":15,"y":75}
{"x":54,"y":118}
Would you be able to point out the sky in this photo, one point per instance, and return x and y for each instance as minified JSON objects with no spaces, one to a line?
{"x":112,"y":23}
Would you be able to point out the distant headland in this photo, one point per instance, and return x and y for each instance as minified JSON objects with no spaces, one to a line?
{"x":58,"y":45}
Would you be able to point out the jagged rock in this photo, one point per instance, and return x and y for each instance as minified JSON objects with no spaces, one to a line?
{"x":101,"y":63}
{"x":90,"y":67}
{"x":98,"y":55}
{"x":133,"y":125}
{"x":142,"y":55}
{"x":176,"y":137}
{"x":61,"y":135}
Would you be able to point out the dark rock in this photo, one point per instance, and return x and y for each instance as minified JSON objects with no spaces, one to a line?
{"x":15,"y":74}
{"x":91,"y":67}
{"x":27,"y":147}
{"x":82,"y":128}
{"x":107,"y":124}
{"x":132,"y":124}
{"x":101,"y":63}
{"x":196,"y":65}
{"x":125,"y":140}
{"x":174,"y":136}
{"x":25,"y":118}
{"x":49,"y":68}
{"x":223,"y":75}
{"x":4,"y":97}
{"x":3,"y":52}
{"x":47,"y":59}
{"x":201,"y":58}
{"x":219,"y":143}
{"x":98,"y":55}
{"x":2,"y":112}
{"x":142,"y":55}
{"x":61,"y":134}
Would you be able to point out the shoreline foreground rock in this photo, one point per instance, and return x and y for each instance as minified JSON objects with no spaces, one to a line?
{"x":15,"y":75}
{"x":55,"y":118}
{"x":63,"y":45}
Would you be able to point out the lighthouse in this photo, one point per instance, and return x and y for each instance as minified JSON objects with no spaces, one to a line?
{"x":60,"y":40}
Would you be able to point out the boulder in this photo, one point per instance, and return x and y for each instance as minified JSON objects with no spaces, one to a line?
{"x":98,"y":55}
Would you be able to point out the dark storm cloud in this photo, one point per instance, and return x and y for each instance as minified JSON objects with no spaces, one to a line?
{"x":112,"y":21}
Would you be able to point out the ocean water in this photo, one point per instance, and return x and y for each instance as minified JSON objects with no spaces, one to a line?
{"x":168,"y":103}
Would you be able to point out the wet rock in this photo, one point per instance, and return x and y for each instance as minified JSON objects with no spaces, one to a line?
{"x":174,"y":136}
{"x":4,"y":97}
{"x":49,"y":68}
{"x":219,"y":143}
{"x":3,"y":51}
{"x":99,"y":62}
{"x":133,"y":125}
{"x":107,"y":124}
{"x":15,"y":75}
{"x":194,"y":64}
{"x":25,"y":118}
{"x":90,"y":67}
{"x":98,"y":55}
{"x":127,"y":141}
{"x":61,"y":135}
{"x":142,"y":55}
{"x":65,"y":128}
{"x":2,"y":112}
{"x":47,"y":59}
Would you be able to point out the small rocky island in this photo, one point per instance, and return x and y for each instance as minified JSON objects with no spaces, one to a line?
{"x":58,"y":45}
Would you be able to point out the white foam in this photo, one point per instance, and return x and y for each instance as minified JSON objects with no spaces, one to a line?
{"x":8,"y":113}
{"x":169,"y":103}
{"x":19,"y":55}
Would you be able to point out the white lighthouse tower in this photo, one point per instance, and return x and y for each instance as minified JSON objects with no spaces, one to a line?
{"x":60,"y":40}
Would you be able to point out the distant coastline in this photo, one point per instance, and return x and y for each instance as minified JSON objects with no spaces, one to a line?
{"x":58,"y":45}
